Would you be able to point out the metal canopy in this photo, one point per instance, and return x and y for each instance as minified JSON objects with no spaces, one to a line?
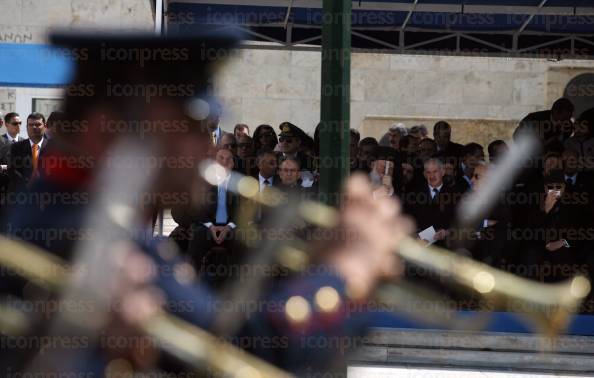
{"x":534,"y":28}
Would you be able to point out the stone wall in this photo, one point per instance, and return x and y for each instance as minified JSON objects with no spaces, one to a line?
{"x":273,"y":86}
{"x":27,"y":21}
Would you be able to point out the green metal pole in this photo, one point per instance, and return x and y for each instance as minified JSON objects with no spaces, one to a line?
{"x":335,"y":99}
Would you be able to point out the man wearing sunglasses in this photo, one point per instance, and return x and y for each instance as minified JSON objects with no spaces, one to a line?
{"x":13,"y":128}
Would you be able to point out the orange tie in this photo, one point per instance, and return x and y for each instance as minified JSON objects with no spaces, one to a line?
{"x":35,"y":158}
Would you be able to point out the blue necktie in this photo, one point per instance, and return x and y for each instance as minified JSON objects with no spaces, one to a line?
{"x":221,"y":216}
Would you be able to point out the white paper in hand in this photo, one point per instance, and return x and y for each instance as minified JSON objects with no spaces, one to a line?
{"x":428,"y":234}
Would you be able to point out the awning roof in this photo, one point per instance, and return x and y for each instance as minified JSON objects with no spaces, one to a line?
{"x":544,"y":28}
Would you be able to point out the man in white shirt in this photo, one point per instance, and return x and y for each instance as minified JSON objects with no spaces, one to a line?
{"x":473,"y":154}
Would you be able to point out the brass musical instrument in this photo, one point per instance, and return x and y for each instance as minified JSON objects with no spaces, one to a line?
{"x":194,"y":346}
{"x":548,"y":305}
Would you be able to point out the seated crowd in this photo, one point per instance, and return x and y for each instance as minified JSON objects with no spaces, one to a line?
{"x":541,"y":226}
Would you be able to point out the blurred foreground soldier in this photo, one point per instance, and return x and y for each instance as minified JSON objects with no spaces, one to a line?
{"x":126,"y":88}
{"x":158,"y":89}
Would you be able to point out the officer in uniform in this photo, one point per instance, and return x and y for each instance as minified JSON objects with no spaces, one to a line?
{"x":292,"y":143}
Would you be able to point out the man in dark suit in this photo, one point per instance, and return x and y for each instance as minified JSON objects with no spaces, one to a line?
{"x":442,"y":133}
{"x":575,"y":181}
{"x":213,"y":120}
{"x":246,"y":157}
{"x":215,"y":227}
{"x":13,"y":127}
{"x":473,"y":154}
{"x":490,"y":238}
{"x":433,"y":204}
{"x":267,"y":165}
{"x":23,"y":165}
{"x":551,"y":127}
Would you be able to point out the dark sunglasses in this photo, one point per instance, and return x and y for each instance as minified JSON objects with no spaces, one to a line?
{"x":285,"y":139}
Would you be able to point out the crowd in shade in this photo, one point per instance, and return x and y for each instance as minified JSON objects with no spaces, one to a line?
{"x":541,"y":226}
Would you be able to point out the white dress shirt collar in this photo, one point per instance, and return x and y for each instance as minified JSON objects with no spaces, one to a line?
{"x":262,"y":179}
{"x":38,"y":144}
{"x":572,"y":178}
{"x":431,"y":189}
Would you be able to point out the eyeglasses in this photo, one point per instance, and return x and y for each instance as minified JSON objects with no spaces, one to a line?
{"x":285,"y":139}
